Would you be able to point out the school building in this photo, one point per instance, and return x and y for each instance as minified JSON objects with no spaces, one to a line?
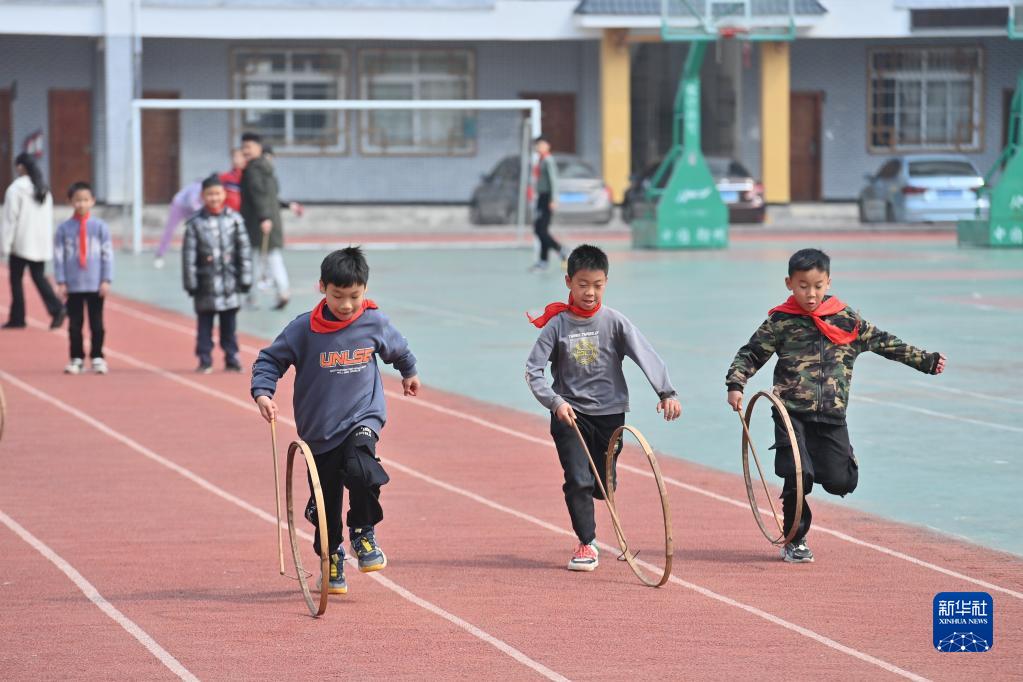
{"x":863,"y":80}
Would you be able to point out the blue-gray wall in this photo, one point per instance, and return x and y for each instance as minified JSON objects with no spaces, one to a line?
{"x":839,"y":69}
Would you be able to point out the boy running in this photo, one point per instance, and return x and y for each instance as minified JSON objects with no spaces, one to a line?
{"x":339,"y":400}
{"x":817,"y":339}
{"x":586,"y":342}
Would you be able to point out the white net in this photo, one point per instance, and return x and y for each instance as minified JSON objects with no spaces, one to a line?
{"x":354,"y":155}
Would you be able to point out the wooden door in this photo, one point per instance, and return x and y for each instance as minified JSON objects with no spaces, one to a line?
{"x":6,"y":153}
{"x":557,"y":119}
{"x":161,"y":155}
{"x":805,"y":146}
{"x":70,"y":145}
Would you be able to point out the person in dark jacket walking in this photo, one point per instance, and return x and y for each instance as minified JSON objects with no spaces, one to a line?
{"x":217,"y":271}
{"x":544,"y":187}
{"x":261,"y":209}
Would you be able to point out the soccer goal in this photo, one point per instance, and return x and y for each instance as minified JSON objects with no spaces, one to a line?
{"x":379,"y":154}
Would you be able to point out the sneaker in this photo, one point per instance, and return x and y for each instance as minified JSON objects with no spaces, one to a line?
{"x":232,"y":365}
{"x":282,"y":303}
{"x":336,"y":583}
{"x":204,"y":368}
{"x":13,"y":325}
{"x":99,"y":366}
{"x":585,"y":557}
{"x":58,"y":319}
{"x":538,"y":267}
{"x":158,"y":263}
{"x":75,"y":366}
{"x":797,"y":552}
{"x":364,"y":544}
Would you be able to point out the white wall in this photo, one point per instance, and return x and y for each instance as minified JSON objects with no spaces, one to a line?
{"x":503,"y":71}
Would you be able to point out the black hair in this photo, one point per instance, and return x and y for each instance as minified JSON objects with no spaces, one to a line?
{"x":252,"y":137}
{"x":212,"y":181}
{"x":540,"y":139}
{"x":28,"y":162}
{"x":345,"y":268}
{"x":77,"y":187}
{"x":809,"y":259}
{"x":586,"y":257}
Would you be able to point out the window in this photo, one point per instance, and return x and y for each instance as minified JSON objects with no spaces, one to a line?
{"x":421,"y":75}
{"x":941,"y":168}
{"x":290,"y":75}
{"x":925,"y":99}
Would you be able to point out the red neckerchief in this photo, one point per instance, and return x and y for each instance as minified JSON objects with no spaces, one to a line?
{"x":557,"y":308}
{"x":535,"y":173}
{"x":321,"y":325}
{"x":83,"y":239}
{"x":829,"y":306}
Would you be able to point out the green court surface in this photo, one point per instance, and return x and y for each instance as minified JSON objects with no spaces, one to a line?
{"x":942,"y":452}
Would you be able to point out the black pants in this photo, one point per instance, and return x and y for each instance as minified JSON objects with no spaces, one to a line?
{"x":38,"y":272}
{"x":228,"y":335}
{"x":353,"y":465}
{"x":827,"y":459}
{"x":580,"y":487}
{"x":542,"y":224}
{"x":76,"y":304}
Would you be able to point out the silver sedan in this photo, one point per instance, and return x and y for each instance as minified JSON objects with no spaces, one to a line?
{"x":923,"y":188}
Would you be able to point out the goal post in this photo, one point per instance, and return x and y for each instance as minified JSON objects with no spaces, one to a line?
{"x":531,"y":128}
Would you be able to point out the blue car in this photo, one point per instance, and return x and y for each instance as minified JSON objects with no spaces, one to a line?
{"x":916,"y":188}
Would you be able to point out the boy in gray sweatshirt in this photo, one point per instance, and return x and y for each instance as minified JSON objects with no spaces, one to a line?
{"x":339,"y":401}
{"x":586,"y":343}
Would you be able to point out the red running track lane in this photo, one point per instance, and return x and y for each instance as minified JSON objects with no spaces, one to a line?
{"x":455,"y":549}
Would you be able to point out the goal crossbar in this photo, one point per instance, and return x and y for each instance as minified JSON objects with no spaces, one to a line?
{"x":530,"y":106}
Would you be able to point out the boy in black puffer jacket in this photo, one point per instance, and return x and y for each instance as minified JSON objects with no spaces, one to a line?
{"x":217,"y":270}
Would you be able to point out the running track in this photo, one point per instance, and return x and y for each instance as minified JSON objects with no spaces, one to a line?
{"x":136,"y":541}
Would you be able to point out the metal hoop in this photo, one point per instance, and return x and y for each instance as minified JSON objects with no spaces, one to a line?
{"x":321,"y":514}
{"x":747,"y":447}
{"x":616,"y":524}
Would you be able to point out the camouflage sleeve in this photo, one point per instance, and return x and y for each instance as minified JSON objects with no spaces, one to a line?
{"x":751,"y":357}
{"x":892,"y":347}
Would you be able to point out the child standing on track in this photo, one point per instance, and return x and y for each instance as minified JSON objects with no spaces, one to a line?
{"x":339,"y":401}
{"x":217,"y":271}
{"x":817,"y":339}
{"x":586,"y":343}
{"x":83,"y":266}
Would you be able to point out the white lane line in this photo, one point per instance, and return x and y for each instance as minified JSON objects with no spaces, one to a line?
{"x":971,"y":394}
{"x":941,"y":415}
{"x":93,"y":595}
{"x":741,"y":504}
{"x":480,"y":634}
{"x":806,"y":632}
{"x":502,"y":646}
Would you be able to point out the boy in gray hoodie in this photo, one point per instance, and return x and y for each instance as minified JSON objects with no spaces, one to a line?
{"x":339,"y":401}
{"x":586,"y":343}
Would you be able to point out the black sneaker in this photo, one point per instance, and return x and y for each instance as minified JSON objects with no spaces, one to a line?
{"x":13,"y":325}
{"x":797,"y":552}
{"x":58,"y":319}
{"x":204,"y":368}
{"x":232,"y":365}
{"x":364,"y":544}
{"x":336,"y":584}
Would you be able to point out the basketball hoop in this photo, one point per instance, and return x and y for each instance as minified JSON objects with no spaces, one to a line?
{"x":729,"y":32}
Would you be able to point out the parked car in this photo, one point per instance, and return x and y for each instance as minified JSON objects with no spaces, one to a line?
{"x":736,"y":185}
{"x":923,"y":188}
{"x":582,"y":194}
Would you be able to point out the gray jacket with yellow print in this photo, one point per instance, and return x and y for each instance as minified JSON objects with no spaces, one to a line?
{"x":586,"y":358}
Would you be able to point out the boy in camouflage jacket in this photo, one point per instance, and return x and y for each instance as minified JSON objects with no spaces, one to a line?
{"x":817,"y":339}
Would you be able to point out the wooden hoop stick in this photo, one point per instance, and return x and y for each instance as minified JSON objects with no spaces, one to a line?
{"x":277,"y":495}
{"x":608,"y":494}
{"x":782,"y":538}
{"x":3,"y":412}
{"x":296,"y":554}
